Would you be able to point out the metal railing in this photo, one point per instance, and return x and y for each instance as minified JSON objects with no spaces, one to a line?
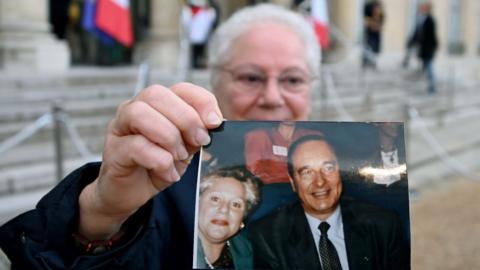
{"x":59,"y":121}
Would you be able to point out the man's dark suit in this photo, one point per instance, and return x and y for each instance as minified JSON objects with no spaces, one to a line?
{"x":425,"y":38}
{"x":373,"y":239}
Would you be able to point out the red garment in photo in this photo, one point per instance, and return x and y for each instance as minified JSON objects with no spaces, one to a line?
{"x":113,"y":17}
{"x":266,"y":153}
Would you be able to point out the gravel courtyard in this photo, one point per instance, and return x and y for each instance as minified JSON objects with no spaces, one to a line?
{"x":446,"y":227}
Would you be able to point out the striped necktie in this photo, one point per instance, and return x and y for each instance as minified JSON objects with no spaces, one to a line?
{"x":328,"y":253}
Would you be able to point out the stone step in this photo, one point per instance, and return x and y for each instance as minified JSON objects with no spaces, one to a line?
{"x":30,"y":153}
{"x":412,"y":91}
{"x":91,"y":129}
{"x":25,"y":186}
{"x":84,"y":125}
{"x":433,"y":174}
{"x":351,"y":82}
{"x":22,"y":179}
{"x":75,"y":108}
{"x":391,"y":106}
{"x":454,"y":135}
{"x":78,"y":92}
{"x":29,"y":103}
{"x":74,"y":76}
{"x":88,"y":77}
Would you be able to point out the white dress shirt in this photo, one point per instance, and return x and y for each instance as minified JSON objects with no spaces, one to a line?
{"x":335,"y":234}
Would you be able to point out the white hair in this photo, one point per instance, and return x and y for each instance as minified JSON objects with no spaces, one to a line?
{"x":250,"y":183}
{"x":222,"y":40}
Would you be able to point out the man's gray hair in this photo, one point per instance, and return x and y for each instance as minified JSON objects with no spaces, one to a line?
{"x":220,"y":45}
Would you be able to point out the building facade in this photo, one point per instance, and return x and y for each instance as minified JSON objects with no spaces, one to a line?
{"x":27,"y":42}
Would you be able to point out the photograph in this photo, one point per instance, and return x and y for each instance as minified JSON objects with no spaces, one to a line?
{"x":303,"y":195}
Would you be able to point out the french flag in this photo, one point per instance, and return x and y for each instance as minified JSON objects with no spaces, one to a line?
{"x":113,"y":17}
{"x":88,"y":22}
{"x":319,"y":13}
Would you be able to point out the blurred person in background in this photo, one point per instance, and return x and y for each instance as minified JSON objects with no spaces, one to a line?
{"x":424,"y":41}
{"x":200,"y":17}
{"x":136,"y":209}
{"x":374,"y":18}
{"x":226,"y":197}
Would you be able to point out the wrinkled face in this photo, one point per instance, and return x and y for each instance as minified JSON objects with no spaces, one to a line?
{"x":266,"y":77}
{"x":316,"y":178}
{"x":221,"y":210}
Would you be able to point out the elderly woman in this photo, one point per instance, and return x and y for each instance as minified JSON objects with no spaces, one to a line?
{"x":126,"y":212}
{"x":227,"y":196}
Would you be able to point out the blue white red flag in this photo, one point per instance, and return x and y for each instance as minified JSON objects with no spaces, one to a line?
{"x":319,"y":16}
{"x":88,"y":22}
{"x":113,"y":17}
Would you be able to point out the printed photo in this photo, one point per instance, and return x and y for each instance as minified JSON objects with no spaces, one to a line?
{"x":303,"y":195}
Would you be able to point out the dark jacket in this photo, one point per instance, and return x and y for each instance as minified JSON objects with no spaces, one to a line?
{"x":240,"y":249}
{"x":373,"y":239}
{"x":425,"y":38}
{"x":159,"y":235}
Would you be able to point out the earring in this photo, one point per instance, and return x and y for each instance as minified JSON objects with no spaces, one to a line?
{"x":242,"y":226}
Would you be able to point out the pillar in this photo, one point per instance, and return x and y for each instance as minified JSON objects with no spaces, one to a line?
{"x":161,"y":48}
{"x":26,"y":43}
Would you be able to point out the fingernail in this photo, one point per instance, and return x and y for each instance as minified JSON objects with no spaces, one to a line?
{"x":213,"y":119}
{"x":202,"y":137}
{"x":182,"y":153}
{"x":175,"y":176}
{"x":188,"y":160}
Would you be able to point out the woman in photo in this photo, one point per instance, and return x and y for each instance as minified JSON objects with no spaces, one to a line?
{"x":227,"y":196}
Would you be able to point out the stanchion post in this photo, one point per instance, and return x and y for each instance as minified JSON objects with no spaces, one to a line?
{"x":57,"y":140}
{"x":407,"y":130}
{"x":143,"y":77}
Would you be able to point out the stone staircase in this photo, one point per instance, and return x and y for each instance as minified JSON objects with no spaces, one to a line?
{"x":90,"y":97}
{"x":451,"y":116}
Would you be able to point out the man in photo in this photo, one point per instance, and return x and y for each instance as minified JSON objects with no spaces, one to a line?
{"x":323,"y":230}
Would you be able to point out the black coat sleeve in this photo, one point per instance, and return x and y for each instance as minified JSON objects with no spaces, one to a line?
{"x":42,"y":238}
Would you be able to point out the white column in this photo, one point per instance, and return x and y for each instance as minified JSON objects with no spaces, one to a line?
{"x":394,"y":32}
{"x":284,"y":3}
{"x":344,"y":16}
{"x":454,"y":34}
{"x":161,"y":48}
{"x":26,"y":43}
{"x":470,"y":23}
{"x":441,"y":12}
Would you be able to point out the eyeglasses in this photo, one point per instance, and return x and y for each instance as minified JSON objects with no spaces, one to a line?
{"x":308,"y":174}
{"x":253,"y":80}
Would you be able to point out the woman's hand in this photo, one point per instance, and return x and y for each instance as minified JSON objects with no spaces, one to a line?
{"x":148,"y":146}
